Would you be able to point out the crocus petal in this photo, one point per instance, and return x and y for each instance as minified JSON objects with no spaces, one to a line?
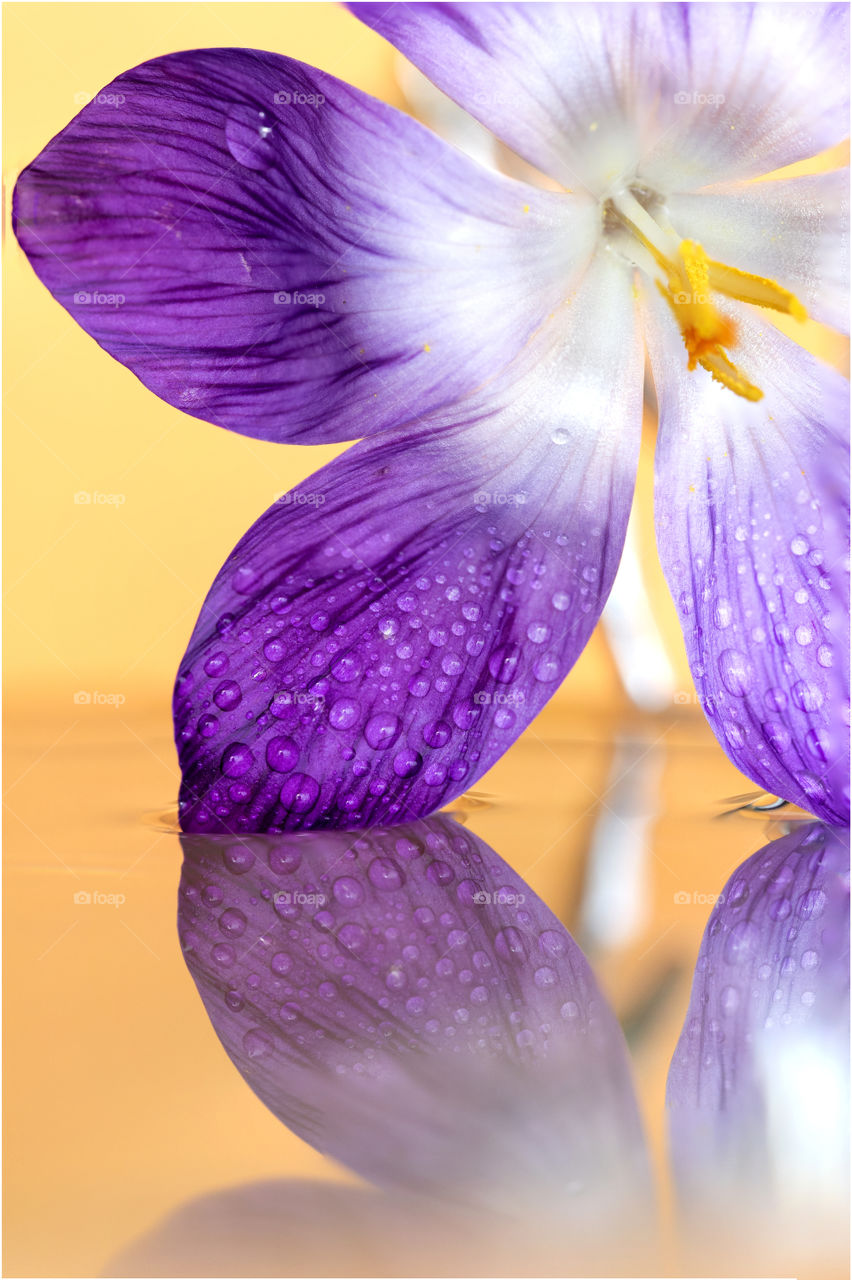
{"x":276,"y":252}
{"x":758,"y":1087}
{"x":550,"y":80}
{"x":585,"y":91}
{"x":379,"y":638}
{"x":795,"y":232}
{"x":740,"y":528}
{"x":404,"y":1003}
{"x":759,"y":86}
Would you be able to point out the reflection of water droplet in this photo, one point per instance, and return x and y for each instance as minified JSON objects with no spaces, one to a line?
{"x":538,"y":632}
{"x":216,"y":664}
{"x":384,"y":874}
{"x":381,"y":730}
{"x":729,"y":1000}
{"x":300,"y":792}
{"x":736,"y":672}
{"x":347,"y":668}
{"x":249,"y":138}
{"x":232,"y":923}
{"x":257,"y":1044}
{"x":510,"y":945}
{"x":344,"y":713}
{"x":503,"y":663}
{"x":347,"y":891}
{"x":723,"y":613}
{"x":742,"y":942}
{"x":811,"y":904}
{"x":406,"y":763}
{"x":237,"y":759}
{"x":227,"y":695}
{"x":807,"y":696}
{"x":282,"y":754}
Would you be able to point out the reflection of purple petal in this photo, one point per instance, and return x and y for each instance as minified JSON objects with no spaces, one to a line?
{"x":271,"y":250}
{"x":758,"y":1085}
{"x":375,"y":643}
{"x":402,"y":1001}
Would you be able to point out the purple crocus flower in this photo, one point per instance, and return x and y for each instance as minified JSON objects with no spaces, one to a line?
{"x":758,"y":1091}
{"x":404,"y":1002}
{"x":299,"y":262}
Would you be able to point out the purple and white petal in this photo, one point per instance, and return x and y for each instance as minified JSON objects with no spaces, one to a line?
{"x":757,"y":87}
{"x":675,"y":95}
{"x":557,"y":83}
{"x":276,"y":252}
{"x":381,"y":636}
{"x":761,"y":592}
{"x":758,"y":1090}
{"x":794,"y":231}
{"x":404,"y":1002}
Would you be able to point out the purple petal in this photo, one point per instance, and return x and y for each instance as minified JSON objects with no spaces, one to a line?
{"x":761,"y":592}
{"x":273,"y":251}
{"x":404,"y":1003}
{"x":758,"y":1085}
{"x":588,"y":92}
{"x":378,"y":640}
{"x":783,"y":96}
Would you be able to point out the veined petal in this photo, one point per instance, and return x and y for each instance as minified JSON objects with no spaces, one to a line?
{"x":404,"y":1002}
{"x":689,"y":93}
{"x":567,"y":86}
{"x":759,"y":589}
{"x":758,"y":1090}
{"x":276,"y":252}
{"x":378,"y":640}
{"x":757,"y":87}
{"x":795,"y":231}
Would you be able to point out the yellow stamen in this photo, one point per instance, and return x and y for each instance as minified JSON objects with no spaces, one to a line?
{"x":748,"y":288}
{"x":689,"y":280}
{"x":692,"y":278}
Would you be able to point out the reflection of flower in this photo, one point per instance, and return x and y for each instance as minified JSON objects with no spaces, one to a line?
{"x":435,"y":1027}
{"x":758,"y":1091}
{"x":481,"y":334}
{"x":432,"y":1025}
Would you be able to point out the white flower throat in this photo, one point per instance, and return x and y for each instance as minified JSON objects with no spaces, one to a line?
{"x":635,"y":223}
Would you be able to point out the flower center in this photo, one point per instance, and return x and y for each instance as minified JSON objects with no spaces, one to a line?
{"x":688,"y":279}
